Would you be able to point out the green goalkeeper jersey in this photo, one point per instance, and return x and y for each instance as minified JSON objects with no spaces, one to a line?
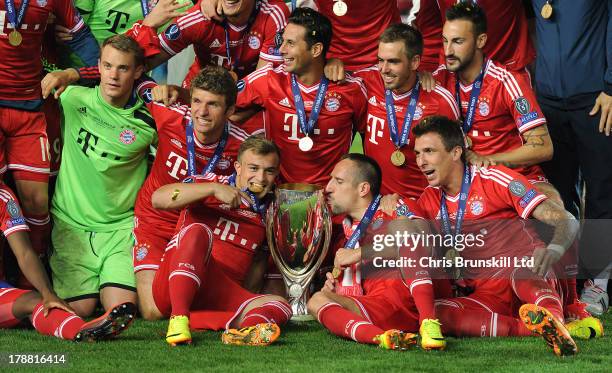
{"x":104,"y":160}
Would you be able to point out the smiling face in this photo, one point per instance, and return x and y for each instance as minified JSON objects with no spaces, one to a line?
{"x":395,"y":67}
{"x":460,"y":44}
{"x":297,"y":56}
{"x":233,"y":8}
{"x":208,"y":112}
{"x":436,"y":163}
{"x":257,"y":171}
{"x":118,"y":71}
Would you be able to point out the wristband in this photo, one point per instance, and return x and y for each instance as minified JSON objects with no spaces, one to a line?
{"x":556,"y":248}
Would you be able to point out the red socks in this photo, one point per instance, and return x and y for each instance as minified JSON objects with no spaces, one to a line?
{"x":58,"y":322}
{"x":423,"y":295}
{"x":470,"y":323}
{"x":346,"y":324}
{"x":270,"y":312}
{"x":531,"y":289}
{"x":187,"y":267}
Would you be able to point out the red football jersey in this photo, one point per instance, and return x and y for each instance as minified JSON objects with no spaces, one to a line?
{"x":355,"y":34}
{"x":170,"y":165}
{"x":406,"y":180}
{"x":506,"y":108}
{"x":508,"y":40}
{"x":343,"y":112}
{"x":21,"y":66}
{"x":237,"y":233}
{"x":498,"y":196}
{"x":405,"y":207}
{"x":208,"y":38}
{"x":425,"y":16}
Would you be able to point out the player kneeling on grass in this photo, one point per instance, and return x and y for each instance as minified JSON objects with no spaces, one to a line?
{"x":363,"y":309}
{"x":487,"y":309}
{"x":46,"y":311}
{"x":220,"y":230}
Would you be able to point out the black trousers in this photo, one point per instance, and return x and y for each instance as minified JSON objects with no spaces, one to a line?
{"x":581,"y":152}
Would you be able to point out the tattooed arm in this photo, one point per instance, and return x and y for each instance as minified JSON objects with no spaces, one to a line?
{"x":537,"y":147}
{"x":565,"y":230}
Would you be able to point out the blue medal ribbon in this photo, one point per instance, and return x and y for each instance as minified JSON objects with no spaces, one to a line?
{"x":463,"y":197}
{"x":363,"y":224}
{"x":15,"y":19}
{"x":212,"y":162}
{"x":144,"y":5}
{"x":307,"y":125}
{"x":233,"y":63}
{"x":257,"y":205}
{"x":401,"y":140}
{"x":468,"y":121}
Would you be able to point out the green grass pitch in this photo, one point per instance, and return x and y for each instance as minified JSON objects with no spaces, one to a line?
{"x":303,"y":348}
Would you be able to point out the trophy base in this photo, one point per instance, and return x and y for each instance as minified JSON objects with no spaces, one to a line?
{"x":301,"y":318}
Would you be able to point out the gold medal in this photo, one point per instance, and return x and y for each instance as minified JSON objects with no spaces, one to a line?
{"x":468,"y":142}
{"x":256,"y":188}
{"x":336,"y":272}
{"x":454,"y":271}
{"x":340,"y":8}
{"x":547,"y":10}
{"x":15,"y":38}
{"x":398,"y":158}
{"x":234,"y":75}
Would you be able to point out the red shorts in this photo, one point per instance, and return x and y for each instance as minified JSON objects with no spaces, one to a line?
{"x":218,"y":302}
{"x":490,"y":295}
{"x":24,"y":144}
{"x":7,"y":298}
{"x":53,"y":117}
{"x":389,"y":306}
{"x":152,"y":237}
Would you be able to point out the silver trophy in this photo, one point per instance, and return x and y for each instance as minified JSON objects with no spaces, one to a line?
{"x":298,"y":226}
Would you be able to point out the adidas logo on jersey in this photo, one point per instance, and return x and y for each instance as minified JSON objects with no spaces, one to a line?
{"x":215,"y":44}
{"x":285,"y":102}
{"x":372,"y":100}
{"x":177,"y":143}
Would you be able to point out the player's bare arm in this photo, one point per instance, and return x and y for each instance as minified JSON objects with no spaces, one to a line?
{"x":58,"y":81}
{"x":164,"y":11}
{"x":33,"y":270}
{"x":537,"y":148}
{"x":565,"y":230}
{"x":180,"y":195}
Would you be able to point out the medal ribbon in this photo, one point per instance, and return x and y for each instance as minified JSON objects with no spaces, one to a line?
{"x":471,"y":110}
{"x":463,"y":196}
{"x":363,"y":224}
{"x":257,"y":205}
{"x":144,"y":5}
{"x":307,"y":125}
{"x":234,"y":63}
{"x":212,"y":162}
{"x":15,"y":19}
{"x":402,"y":140}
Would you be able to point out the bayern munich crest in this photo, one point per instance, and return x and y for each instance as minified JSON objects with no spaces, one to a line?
{"x":332,"y":104}
{"x":254,"y":42}
{"x":141,"y":252}
{"x":476,"y":207}
{"x":483,"y":107}
{"x":418,"y":113}
{"x":127,"y":137}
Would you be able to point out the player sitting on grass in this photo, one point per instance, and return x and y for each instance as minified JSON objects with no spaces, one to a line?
{"x":219,"y":232}
{"x":494,"y":200}
{"x":48,"y":314}
{"x":363,"y":309}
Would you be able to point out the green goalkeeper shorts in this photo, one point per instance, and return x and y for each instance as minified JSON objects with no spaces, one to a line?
{"x":84,"y":262}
